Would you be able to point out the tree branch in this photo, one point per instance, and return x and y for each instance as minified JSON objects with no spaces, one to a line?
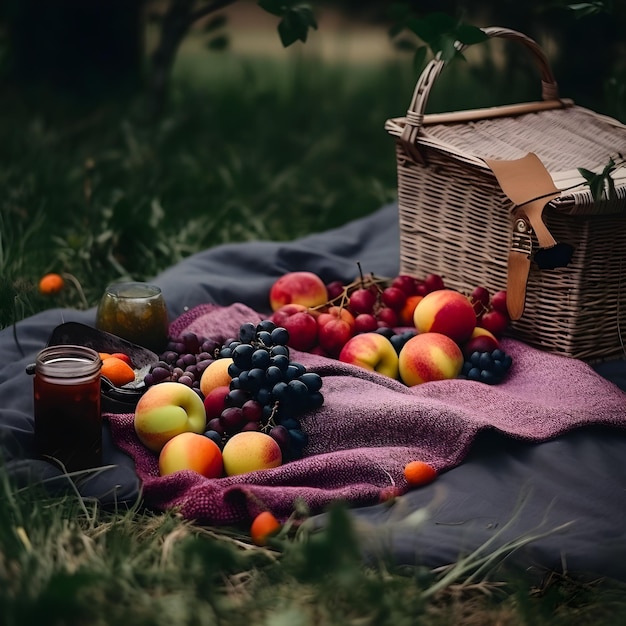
{"x":210,"y":7}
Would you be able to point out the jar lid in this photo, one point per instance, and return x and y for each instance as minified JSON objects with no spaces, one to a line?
{"x":67,"y":361}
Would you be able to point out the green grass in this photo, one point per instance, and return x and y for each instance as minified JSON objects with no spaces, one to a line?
{"x":249,"y":149}
{"x":66,"y":561}
{"x":106,"y":193}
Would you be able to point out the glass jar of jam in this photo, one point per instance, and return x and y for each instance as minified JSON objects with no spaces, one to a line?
{"x":136,"y":312}
{"x":68,"y":421}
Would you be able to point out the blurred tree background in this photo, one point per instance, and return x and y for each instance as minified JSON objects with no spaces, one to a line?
{"x":250,"y":140}
{"x":98,"y":48}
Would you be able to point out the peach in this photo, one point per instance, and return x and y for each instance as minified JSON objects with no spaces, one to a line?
{"x":250,"y":451}
{"x":300,"y":324}
{"x":166,"y":410}
{"x":191,"y":451}
{"x":447,"y":312}
{"x":215,"y":375}
{"x":480,"y":340}
{"x":371,"y":351}
{"x":304,"y":288}
{"x":429,"y":356}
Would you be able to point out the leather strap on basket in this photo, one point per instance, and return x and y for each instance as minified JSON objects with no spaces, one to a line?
{"x":528,"y":184}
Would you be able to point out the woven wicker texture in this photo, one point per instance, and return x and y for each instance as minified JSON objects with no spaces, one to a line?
{"x":456,"y":221}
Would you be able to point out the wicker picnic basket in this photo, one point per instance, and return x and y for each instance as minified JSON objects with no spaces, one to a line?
{"x":456,"y":220}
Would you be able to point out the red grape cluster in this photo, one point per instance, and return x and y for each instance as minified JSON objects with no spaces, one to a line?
{"x":184,"y":360}
{"x":376,"y":303}
{"x":491,"y":310}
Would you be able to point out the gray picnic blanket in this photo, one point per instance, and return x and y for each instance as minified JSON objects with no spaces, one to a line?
{"x":540,"y":457}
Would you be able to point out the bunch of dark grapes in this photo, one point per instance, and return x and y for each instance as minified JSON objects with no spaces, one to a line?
{"x":268,"y":391}
{"x":397,"y":339}
{"x":184,"y":360}
{"x":487,"y":367}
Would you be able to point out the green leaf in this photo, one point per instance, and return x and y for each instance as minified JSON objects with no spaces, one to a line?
{"x":447,"y":47}
{"x":295,"y":25}
{"x":588,"y":175}
{"x":470,"y":35}
{"x":423,"y":29}
{"x":597,"y":188}
{"x":275,"y":7}
{"x":583,"y":9}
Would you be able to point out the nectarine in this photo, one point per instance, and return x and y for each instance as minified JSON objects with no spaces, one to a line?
{"x":371,"y":351}
{"x":191,"y":451}
{"x":249,"y":451}
{"x":428,"y":357}
{"x":447,"y":312}
{"x":166,"y":410}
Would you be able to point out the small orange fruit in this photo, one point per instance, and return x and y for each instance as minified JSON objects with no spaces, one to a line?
{"x":122,"y":357}
{"x":263,"y":527}
{"x":117,"y":371}
{"x":419,"y":473}
{"x":51,"y":284}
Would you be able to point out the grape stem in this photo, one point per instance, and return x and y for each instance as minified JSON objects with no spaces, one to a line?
{"x":363,"y":282}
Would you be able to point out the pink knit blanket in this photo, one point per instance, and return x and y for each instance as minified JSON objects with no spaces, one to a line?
{"x":370,"y":426}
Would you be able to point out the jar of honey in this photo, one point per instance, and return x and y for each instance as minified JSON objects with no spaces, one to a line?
{"x":68,"y":421}
{"x":136,"y":312}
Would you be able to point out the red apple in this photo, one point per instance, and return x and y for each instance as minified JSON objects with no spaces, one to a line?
{"x":365,"y":323}
{"x":334,"y":328}
{"x":495,"y":322}
{"x":362,"y":301}
{"x":214,"y":401}
{"x":300,"y":324}
{"x":481,"y":340}
{"x":406,"y":283}
{"x":434,"y":282}
{"x":498,"y":302}
{"x":394,"y":298}
{"x":334,"y":289}
{"x":387,"y":317}
{"x":304,"y":288}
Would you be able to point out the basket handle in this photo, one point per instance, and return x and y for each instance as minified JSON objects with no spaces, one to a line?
{"x":415,"y":113}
